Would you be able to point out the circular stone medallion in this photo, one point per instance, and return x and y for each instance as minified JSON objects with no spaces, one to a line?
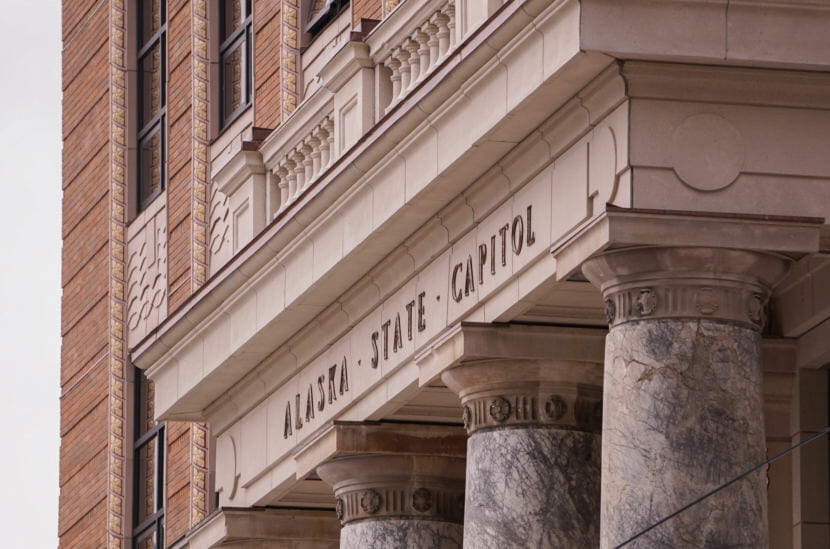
{"x":370,"y":501}
{"x":555,"y":407}
{"x":500,"y":409}
{"x":422,"y":500}
{"x":707,"y":152}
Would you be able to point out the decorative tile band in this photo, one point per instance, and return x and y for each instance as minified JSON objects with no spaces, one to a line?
{"x":559,"y":410}
{"x":116,"y":444}
{"x":709,"y":299}
{"x":412,"y":501}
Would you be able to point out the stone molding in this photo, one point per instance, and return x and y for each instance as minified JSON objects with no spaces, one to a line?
{"x":686,"y":282}
{"x":402,"y":486}
{"x":262,"y":527}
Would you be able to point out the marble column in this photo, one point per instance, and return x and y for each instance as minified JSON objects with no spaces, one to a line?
{"x":399,"y":499}
{"x":682,"y":393}
{"x":533,"y":452}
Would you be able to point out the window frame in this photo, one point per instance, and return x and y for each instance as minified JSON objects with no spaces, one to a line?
{"x":242,"y":34}
{"x":157,"y":124}
{"x":152,"y":525}
{"x":312,"y":27}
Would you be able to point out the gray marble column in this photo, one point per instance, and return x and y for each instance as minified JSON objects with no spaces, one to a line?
{"x":533,"y":453}
{"x":682,"y":394}
{"x":394,"y":501}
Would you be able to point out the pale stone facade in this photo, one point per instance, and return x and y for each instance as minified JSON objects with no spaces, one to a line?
{"x":591,"y":232}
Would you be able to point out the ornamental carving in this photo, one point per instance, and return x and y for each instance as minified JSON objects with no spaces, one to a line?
{"x":610,"y":310}
{"x":706,"y":302}
{"x":338,"y":508}
{"x":646,"y":302}
{"x":718,"y":300}
{"x":500,"y":409}
{"x":526,"y":409}
{"x":467,"y":417}
{"x":755,"y":308}
{"x":555,"y":407}
{"x":444,"y":502}
{"x":422,"y":500}
{"x":370,"y":501}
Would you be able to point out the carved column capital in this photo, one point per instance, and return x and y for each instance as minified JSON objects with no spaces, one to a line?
{"x":507,"y":393}
{"x":721,"y":284}
{"x":393,"y":470}
{"x":397,"y":486}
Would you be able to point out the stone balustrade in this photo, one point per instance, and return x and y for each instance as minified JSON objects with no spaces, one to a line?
{"x":411,"y":57}
{"x":302,"y":165}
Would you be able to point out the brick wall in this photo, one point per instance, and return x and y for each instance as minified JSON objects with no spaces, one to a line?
{"x":84,"y":381}
{"x":179,"y":204}
{"x":267,"y":63}
{"x":366,"y":9}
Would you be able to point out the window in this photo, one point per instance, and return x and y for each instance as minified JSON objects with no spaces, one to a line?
{"x":320,"y":13}
{"x":152,"y":99}
{"x":148,"y":469}
{"x":235,"y":58}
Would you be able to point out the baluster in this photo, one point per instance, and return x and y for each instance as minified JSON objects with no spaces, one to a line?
{"x":423,"y":41}
{"x":451,"y":22}
{"x":443,"y":34}
{"x":411,"y":46}
{"x":282,"y":175}
{"x":394,"y":65}
{"x":314,"y":143}
{"x":299,"y":171}
{"x":328,"y":126}
{"x":403,"y":57}
{"x":322,"y":136}
{"x":308,"y":163}
{"x":431,"y":29}
{"x":292,"y":179}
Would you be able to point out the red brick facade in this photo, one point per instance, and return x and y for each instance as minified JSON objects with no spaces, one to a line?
{"x":92,"y":261}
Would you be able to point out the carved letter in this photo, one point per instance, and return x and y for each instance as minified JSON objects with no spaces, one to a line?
{"x":344,"y":378}
{"x":309,"y":404}
{"x":422,"y":321}
{"x":332,"y":373}
{"x":397,"y":338}
{"x":374,"y":349}
{"x":321,"y":386}
{"x":482,"y":259}
{"x":409,"y":307}
{"x":298,"y":421}
{"x":518,"y":223}
{"x":287,"y":431}
{"x":456,"y":291}
{"x":385,"y":327}
{"x":503,"y":234}
{"x":493,"y":255}
{"x":469,"y":277}
{"x":531,"y":236}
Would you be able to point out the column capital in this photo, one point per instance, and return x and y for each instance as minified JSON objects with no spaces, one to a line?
{"x":511,"y":375}
{"x":652,"y":282}
{"x":402,"y":471}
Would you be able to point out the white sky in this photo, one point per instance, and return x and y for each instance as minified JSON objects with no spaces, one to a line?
{"x":30,"y":178}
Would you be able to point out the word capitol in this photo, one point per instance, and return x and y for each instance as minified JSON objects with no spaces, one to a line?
{"x":334,"y":381}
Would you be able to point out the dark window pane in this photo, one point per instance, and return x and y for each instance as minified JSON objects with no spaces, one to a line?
{"x":146,"y":540}
{"x":232,"y":78}
{"x":150,"y":168}
{"x":149,"y":68}
{"x":151,"y":19}
{"x":146,"y":480}
{"x":232,"y":17}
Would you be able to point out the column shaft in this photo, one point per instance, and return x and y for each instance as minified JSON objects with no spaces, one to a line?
{"x":683,"y":394}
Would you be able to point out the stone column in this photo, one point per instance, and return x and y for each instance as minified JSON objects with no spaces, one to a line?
{"x":533,"y":469}
{"x":409,"y":492}
{"x":683,"y":394}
